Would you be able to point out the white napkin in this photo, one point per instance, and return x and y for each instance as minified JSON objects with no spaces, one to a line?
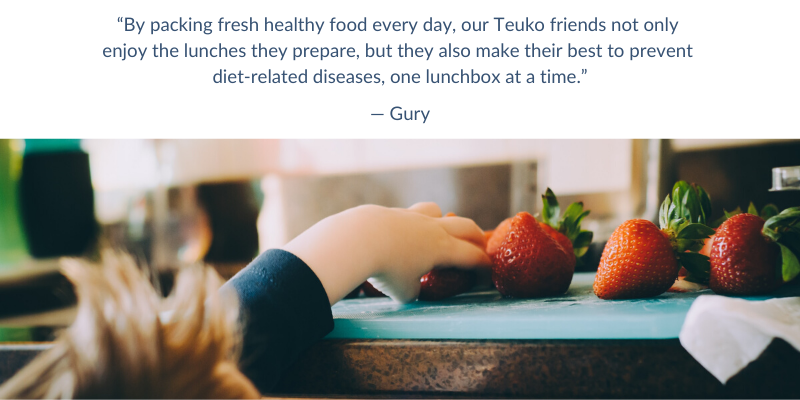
{"x":725,"y":334}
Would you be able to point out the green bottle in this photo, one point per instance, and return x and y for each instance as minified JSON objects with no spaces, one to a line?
{"x":13,"y":245}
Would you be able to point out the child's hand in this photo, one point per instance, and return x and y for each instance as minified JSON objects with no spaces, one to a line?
{"x":394,"y":246}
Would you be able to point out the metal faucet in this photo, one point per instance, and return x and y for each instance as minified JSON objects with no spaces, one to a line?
{"x":785,"y":178}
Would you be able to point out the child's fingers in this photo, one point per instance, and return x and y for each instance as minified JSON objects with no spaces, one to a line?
{"x":464,"y":254}
{"x":428,"y":208}
{"x":465,"y":229}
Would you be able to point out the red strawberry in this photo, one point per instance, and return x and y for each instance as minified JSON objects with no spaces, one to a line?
{"x":743,"y":260}
{"x":437,"y":284}
{"x":681,"y":285}
{"x":530,"y":263}
{"x":564,"y":241}
{"x":706,"y":250}
{"x":641,"y":260}
{"x":638,"y":261}
{"x":769,"y":211}
{"x":443,"y":283}
{"x":498,"y":235}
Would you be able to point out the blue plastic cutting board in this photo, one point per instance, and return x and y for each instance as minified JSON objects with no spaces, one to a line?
{"x":578,"y":314}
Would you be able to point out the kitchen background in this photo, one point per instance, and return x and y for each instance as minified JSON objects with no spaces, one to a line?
{"x":174,"y":202}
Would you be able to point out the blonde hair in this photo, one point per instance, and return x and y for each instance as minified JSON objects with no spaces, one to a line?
{"x":120,"y":346}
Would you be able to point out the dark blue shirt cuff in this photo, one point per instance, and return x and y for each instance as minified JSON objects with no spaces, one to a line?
{"x":284,"y":308}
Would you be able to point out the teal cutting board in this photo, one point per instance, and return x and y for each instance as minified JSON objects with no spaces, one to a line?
{"x":578,"y":314}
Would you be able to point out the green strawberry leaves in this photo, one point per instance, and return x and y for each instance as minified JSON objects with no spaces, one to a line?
{"x":691,"y":237}
{"x":738,"y":210}
{"x":786,"y":220}
{"x":784,"y":229}
{"x":769,"y":211}
{"x":683,"y":217}
{"x":663,"y":213}
{"x":689,"y":204}
{"x":550,"y":209}
{"x":695,"y":231}
{"x":705,"y":204}
{"x":582,"y":242}
{"x":569,"y":224}
{"x":790,"y":267}
{"x":697,"y":265}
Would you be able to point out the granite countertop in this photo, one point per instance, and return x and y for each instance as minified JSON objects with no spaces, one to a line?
{"x":509,"y":368}
{"x":480,"y":345}
{"x":530,"y":368}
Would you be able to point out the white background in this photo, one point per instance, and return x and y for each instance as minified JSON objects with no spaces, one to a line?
{"x":742,"y":80}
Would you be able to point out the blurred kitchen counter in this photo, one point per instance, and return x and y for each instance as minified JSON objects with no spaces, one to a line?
{"x":523,"y":364}
{"x":479,"y":344}
{"x":509,"y":368}
{"x":530,"y":368}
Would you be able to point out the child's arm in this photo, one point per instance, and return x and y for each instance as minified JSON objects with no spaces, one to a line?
{"x":394,"y":246}
{"x":285,"y":295}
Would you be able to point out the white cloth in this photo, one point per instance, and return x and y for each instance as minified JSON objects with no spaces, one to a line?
{"x":725,"y":334}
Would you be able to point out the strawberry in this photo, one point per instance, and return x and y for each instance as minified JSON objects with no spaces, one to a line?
{"x":642,"y":260}
{"x":566,"y":229}
{"x":706,"y":251}
{"x":498,"y":235}
{"x":638,"y":261}
{"x":562,"y":240}
{"x":530,"y":263}
{"x":438,"y":284}
{"x":769,"y":211}
{"x":447,"y":282}
{"x":752,"y":256}
{"x":683,"y":286}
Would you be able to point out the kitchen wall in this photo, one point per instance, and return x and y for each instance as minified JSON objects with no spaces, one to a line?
{"x":569,"y":166}
{"x":303,"y":181}
{"x":737,"y":173}
{"x":123,"y":169}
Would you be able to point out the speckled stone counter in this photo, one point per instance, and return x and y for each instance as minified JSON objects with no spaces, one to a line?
{"x":510,"y":368}
{"x":14,"y":356}
{"x":533,"y":368}
{"x":494,"y":347}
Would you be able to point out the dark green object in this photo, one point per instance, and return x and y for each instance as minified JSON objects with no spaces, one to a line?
{"x":784,"y":229}
{"x":57,"y":203}
{"x":12,"y":237}
{"x":34,"y":146}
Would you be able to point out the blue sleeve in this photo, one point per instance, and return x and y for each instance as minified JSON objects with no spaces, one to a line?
{"x":284,"y":309}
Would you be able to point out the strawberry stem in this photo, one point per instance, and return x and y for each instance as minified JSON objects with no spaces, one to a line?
{"x":683,"y":218}
{"x":784,"y":229}
{"x":568,"y":224}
